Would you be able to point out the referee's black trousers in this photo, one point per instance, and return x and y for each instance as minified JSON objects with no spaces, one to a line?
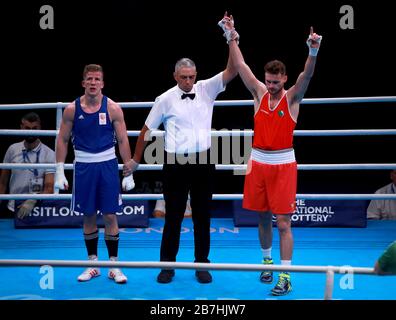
{"x":178,"y":180}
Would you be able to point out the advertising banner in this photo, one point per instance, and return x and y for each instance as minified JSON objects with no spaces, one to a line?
{"x":314,"y":213}
{"x":57,"y":213}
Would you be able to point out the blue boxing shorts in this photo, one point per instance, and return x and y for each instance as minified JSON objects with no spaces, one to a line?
{"x":96,"y":188}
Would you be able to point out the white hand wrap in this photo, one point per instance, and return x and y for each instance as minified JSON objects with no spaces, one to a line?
{"x":60,"y":179}
{"x":229,"y":34}
{"x":313,"y":51}
{"x":128,"y":183}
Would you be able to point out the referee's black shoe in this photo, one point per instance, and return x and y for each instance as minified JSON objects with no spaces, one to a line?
{"x":165,"y":276}
{"x":203,"y":276}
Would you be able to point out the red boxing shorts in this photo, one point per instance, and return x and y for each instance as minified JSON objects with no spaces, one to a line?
{"x":270,"y":187}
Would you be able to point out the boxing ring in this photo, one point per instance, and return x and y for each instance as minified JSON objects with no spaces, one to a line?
{"x":322,"y":274}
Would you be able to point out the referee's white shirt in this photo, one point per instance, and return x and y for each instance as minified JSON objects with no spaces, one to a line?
{"x":187,"y":122}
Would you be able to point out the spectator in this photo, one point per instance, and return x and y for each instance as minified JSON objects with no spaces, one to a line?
{"x":384,"y":209}
{"x":386,"y":263}
{"x":22,"y":181}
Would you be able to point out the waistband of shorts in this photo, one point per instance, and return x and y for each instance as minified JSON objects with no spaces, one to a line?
{"x":87,"y":157}
{"x":273,"y":156}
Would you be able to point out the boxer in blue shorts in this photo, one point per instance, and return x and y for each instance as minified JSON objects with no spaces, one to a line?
{"x":95,"y":125}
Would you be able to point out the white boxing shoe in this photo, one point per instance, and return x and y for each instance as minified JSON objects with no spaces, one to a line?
{"x":89,"y":273}
{"x":116,"y":274}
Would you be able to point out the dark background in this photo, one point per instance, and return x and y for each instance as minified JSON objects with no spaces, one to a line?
{"x":138,"y":43}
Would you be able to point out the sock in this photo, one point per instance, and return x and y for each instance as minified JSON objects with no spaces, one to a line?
{"x":266,"y":252}
{"x":112,"y":244}
{"x":91,"y":242}
{"x":286,"y":263}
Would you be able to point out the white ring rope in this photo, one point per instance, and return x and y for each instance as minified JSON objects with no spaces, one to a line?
{"x":223,"y":133}
{"x":183,"y":265}
{"x":224,"y":196}
{"x":241,"y":167}
{"x":17,"y":132}
{"x":53,"y":105}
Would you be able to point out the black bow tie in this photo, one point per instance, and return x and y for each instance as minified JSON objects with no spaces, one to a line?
{"x":188,"y":95}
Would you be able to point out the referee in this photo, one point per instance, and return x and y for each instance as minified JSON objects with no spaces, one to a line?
{"x":186,"y":113}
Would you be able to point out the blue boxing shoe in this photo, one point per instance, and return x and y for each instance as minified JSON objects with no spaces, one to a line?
{"x":267,"y":276}
{"x":283,"y":286}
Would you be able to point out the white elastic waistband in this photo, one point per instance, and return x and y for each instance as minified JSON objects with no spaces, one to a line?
{"x":273,"y":157}
{"x":83,"y":156}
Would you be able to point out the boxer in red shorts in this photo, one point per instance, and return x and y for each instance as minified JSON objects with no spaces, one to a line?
{"x":271,"y":181}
